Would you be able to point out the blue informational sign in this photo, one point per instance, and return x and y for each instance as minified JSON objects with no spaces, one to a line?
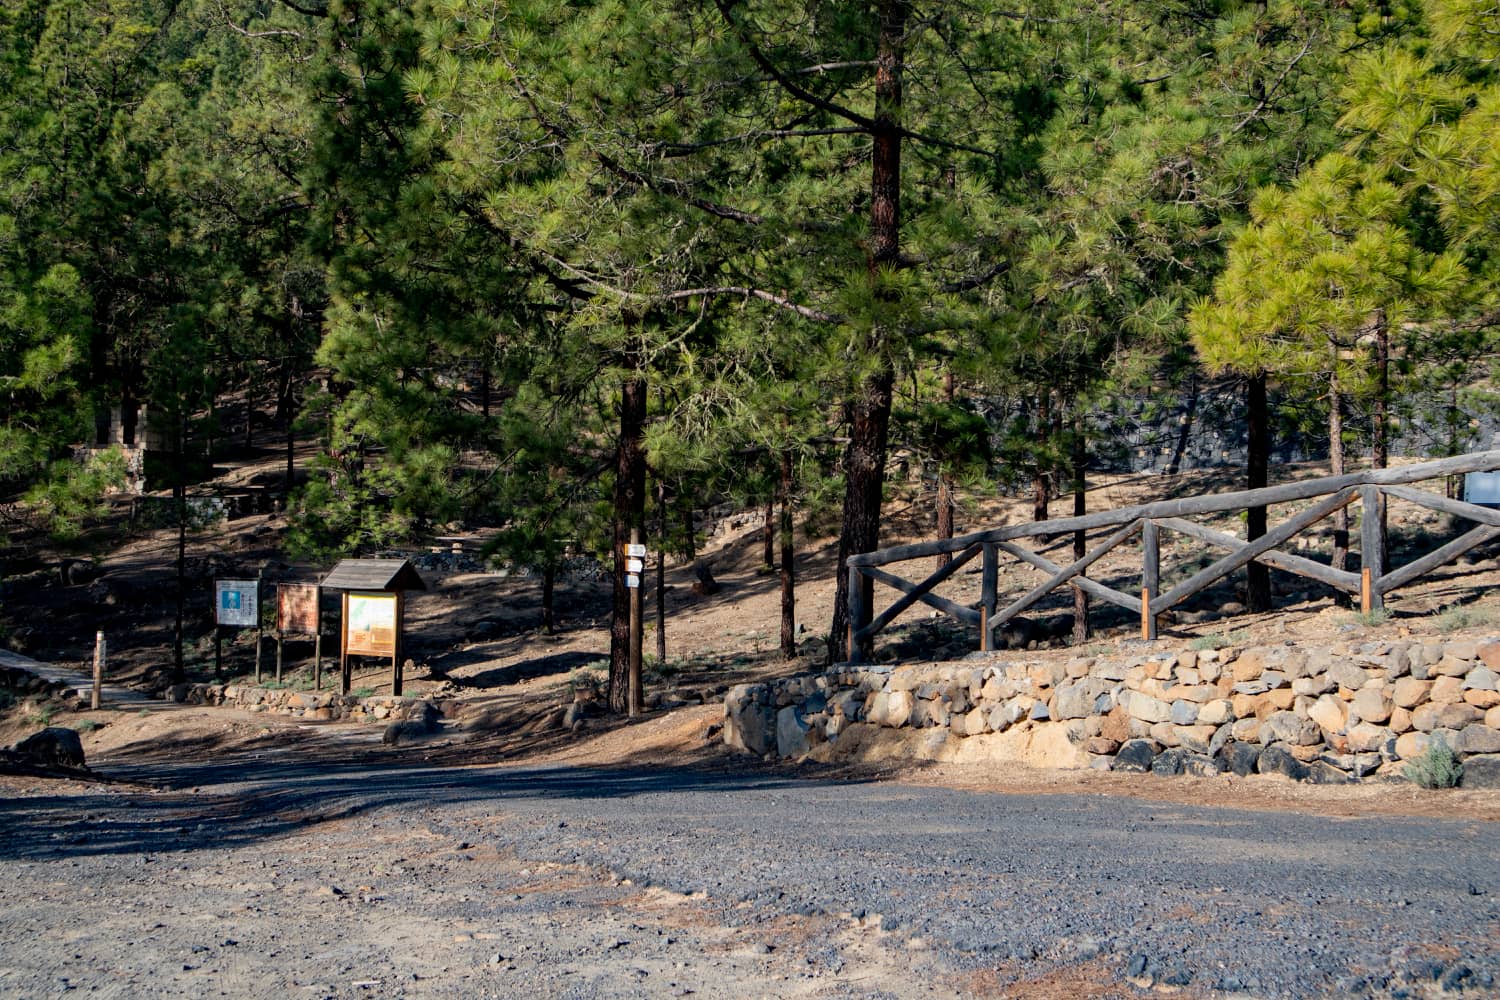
{"x":236,"y":602}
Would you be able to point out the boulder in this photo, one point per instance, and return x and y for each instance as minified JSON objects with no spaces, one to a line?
{"x":55,"y":746}
{"x":1246,"y":730}
{"x":1288,"y":727}
{"x":1365,"y":737}
{"x":1372,"y":705}
{"x":1409,"y":692}
{"x":1483,"y":679}
{"x":1216,"y":712}
{"x":1320,"y":772}
{"x":1195,"y":739}
{"x":1239,"y":757}
{"x":791,"y":733}
{"x":1477,"y":739}
{"x":1135,"y":755}
{"x":1482,"y":771}
{"x":1480,"y":698}
{"x":1275,"y":759}
{"x":1347,"y":675}
{"x":405,"y":732}
{"x":1409,"y":745}
{"x":749,"y":723}
{"x":1144,"y":707}
{"x":1184,"y":713}
{"x":1446,"y":690}
{"x":1329,"y":712}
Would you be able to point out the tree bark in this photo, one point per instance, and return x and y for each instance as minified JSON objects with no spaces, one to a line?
{"x":1258,"y":461}
{"x":1039,"y":471}
{"x":179,"y":496}
{"x":768,"y":534}
{"x":1336,"y":466}
{"x":1382,"y":413}
{"x":549,"y":583}
{"x":788,"y":566}
{"x":1081,"y":630}
{"x":945,"y":488}
{"x":870,"y":412}
{"x":630,"y":508}
{"x":661,"y":572}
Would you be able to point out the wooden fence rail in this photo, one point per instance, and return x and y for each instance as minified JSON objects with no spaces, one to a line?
{"x":1371,"y":584}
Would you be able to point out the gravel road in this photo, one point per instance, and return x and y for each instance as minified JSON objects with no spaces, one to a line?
{"x":282,"y":874}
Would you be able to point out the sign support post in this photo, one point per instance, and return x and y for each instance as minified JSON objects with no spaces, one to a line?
{"x":257,"y":629}
{"x":636,"y":692}
{"x":396,"y":648}
{"x":344,"y":646}
{"x":97,"y":699}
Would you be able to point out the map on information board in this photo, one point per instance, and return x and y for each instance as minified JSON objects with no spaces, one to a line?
{"x":370,"y":628}
{"x":235,"y":602}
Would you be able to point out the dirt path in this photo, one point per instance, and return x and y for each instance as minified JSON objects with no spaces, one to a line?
{"x":286,"y":868}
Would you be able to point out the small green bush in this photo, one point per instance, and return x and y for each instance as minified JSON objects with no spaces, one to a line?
{"x":1437,"y":767}
{"x":42,"y":716}
{"x":362,"y":692}
{"x":1456,"y":619}
{"x":86,"y":726}
{"x":1216,"y":641}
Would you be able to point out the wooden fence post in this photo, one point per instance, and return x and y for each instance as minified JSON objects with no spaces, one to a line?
{"x":97,"y":698}
{"x":1371,"y":557}
{"x":1150,"y":576}
{"x":989,"y":596}
{"x":854,"y":649}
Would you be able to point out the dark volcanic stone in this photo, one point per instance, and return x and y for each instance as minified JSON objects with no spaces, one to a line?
{"x":55,"y":746}
{"x":1135,"y":755}
{"x":1275,"y":760}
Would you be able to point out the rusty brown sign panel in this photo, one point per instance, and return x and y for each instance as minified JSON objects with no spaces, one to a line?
{"x":297,"y":607}
{"x":370,"y":628}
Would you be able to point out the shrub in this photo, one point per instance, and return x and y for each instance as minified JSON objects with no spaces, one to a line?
{"x":1456,"y":618}
{"x":364,"y":692}
{"x":86,"y":726}
{"x":1437,"y":767}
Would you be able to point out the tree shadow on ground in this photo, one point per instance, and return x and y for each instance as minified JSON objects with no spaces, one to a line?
{"x":245,"y":799}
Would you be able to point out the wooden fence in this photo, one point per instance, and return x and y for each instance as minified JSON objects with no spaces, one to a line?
{"x":1371,"y":584}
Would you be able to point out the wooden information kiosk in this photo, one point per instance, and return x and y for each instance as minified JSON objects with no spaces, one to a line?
{"x":374,"y":605}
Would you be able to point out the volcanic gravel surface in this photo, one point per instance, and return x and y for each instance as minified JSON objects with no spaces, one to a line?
{"x":278,"y":875}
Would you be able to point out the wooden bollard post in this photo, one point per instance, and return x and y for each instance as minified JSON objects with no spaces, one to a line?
{"x":1366,"y":591}
{"x":278,"y":655}
{"x":1148,"y":620}
{"x":984,"y":629}
{"x":98,"y":694}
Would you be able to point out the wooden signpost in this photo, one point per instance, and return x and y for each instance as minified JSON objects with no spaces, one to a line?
{"x":373,"y":611}
{"x":635,"y":563}
{"x":298,"y":607}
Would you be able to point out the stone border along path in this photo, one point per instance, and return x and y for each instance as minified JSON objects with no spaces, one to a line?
{"x":257,"y":878}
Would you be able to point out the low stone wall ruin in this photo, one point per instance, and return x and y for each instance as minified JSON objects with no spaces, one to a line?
{"x":1325,"y":714}
{"x":323,"y":706}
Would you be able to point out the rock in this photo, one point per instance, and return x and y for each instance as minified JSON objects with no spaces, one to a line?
{"x":1321,"y":772}
{"x":749,"y":723}
{"x":1409,"y":745}
{"x":1164,"y":733}
{"x":1313,"y":686}
{"x":1489,"y":652}
{"x":1144,"y":707}
{"x":1184,"y":713}
{"x":1452,"y":666}
{"x":1239,"y":757}
{"x":1372,"y":705}
{"x":1195,"y":739}
{"x":1400,"y":721}
{"x":1482,"y":679}
{"x":1288,"y":727}
{"x":1216,"y":712}
{"x":1135,"y":755}
{"x":1446,"y":691}
{"x":1346,"y":674}
{"x":1202,"y":766}
{"x":1492,"y":718}
{"x":1480,"y":698}
{"x":1100,"y":745}
{"x":1168,"y":763}
{"x":976,"y":722}
{"x":1246,"y":730}
{"x":791,"y":733}
{"x":1477,"y":739}
{"x":55,"y":746}
{"x":404,"y":732}
{"x":893,"y":709}
{"x":1409,"y":692}
{"x":1425,"y":717}
{"x":1365,"y":737}
{"x":1275,"y":759}
{"x":1039,"y":712}
{"x":1330,"y":713}
{"x":1482,"y":772}
{"x":1115,"y":726}
{"x":1458,"y":716}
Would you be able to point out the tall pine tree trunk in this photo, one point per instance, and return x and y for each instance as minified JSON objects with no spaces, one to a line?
{"x":788,"y":566}
{"x":945,"y":488}
{"x":1081,"y":628}
{"x":630,"y":509}
{"x":1336,"y":465}
{"x":1382,"y":409}
{"x":179,"y":497}
{"x":768,"y":534}
{"x":549,"y":586}
{"x":1258,"y":461}
{"x":1039,"y":471}
{"x":661,"y":572}
{"x":870,"y":412}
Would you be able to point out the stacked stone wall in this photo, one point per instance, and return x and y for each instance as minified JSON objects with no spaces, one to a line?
{"x":1334,"y":713}
{"x":315,"y":705}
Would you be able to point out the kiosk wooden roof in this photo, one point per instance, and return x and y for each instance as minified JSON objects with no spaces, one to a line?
{"x":391,"y":576}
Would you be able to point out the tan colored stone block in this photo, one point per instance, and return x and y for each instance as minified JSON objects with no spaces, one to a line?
{"x":1246,"y":730}
{"x":1164,"y":733}
{"x":1216,"y":712}
{"x":1410,"y":692}
{"x":1409,"y":745}
{"x":1446,"y":690}
{"x":1372,"y":705}
{"x":1367,"y":738}
{"x":1329,"y":713}
{"x":1492,"y":718}
{"x":1482,"y":699}
{"x":1400,"y":721}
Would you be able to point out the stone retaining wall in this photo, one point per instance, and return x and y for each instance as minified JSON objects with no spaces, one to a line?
{"x":1325,"y":714}
{"x":319,"y":705}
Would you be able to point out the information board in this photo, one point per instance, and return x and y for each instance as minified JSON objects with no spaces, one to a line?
{"x":297,"y":608}
{"x":370,"y":628}
{"x":236,"y":602}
